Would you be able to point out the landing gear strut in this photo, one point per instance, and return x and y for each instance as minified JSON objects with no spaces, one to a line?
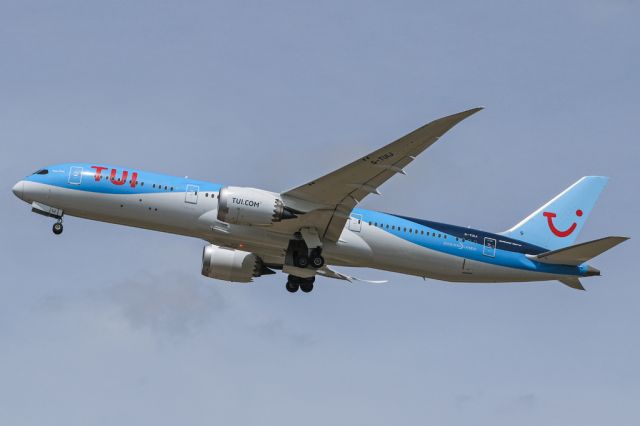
{"x":294,"y":283}
{"x":57,"y":227}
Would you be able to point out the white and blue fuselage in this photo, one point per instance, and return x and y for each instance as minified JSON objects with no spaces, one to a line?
{"x":369,"y":238}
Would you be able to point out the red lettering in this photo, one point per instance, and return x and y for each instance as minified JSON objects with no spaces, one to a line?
{"x":120,"y":181}
{"x":134,"y":179}
{"x":99,"y":170}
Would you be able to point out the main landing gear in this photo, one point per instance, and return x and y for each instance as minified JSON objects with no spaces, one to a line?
{"x":57,"y":227}
{"x":305,"y":284}
{"x":313,"y":260}
{"x":303,"y":255}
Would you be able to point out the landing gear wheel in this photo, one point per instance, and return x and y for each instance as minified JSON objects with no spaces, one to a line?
{"x":306,"y":286}
{"x":317,"y":261}
{"x":57,"y":228}
{"x":302,"y":261}
{"x":292,"y":284}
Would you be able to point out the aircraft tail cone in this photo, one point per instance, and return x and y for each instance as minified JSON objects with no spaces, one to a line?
{"x":592,"y":272}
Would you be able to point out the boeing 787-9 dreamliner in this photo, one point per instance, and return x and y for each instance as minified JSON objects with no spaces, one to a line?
{"x":308,"y":230}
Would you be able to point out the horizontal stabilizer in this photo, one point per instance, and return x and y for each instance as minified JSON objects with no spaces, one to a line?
{"x":573,"y":283}
{"x":578,"y":254}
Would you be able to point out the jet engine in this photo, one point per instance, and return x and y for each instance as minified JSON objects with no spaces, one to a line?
{"x":251,"y":206}
{"x":231,"y":265}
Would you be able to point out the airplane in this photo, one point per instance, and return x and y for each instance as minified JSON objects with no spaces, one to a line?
{"x":308,"y":230}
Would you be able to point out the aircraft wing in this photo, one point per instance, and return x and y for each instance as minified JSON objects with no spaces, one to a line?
{"x":334,"y":195}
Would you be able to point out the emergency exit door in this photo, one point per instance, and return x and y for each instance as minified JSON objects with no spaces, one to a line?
{"x":191,"y":196}
{"x":355,"y":222}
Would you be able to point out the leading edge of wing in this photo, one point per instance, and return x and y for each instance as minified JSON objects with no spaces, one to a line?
{"x":407,"y":146}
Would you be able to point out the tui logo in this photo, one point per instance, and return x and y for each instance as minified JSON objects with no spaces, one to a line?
{"x":113,"y":176}
{"x":556,"y":231}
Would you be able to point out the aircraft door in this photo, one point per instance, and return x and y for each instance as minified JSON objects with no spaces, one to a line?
{"x":467,"y":268}
{"x":191,"y":196}
{"x":75,"y":175}
{"x":489,"y":248}
{"x":355,"y":222}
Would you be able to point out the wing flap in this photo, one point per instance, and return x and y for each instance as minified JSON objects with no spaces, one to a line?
{"x":325,"y":271}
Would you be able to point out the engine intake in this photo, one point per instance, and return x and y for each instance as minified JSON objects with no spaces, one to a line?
{"x":251,"y":206}
{"x":230,"y":265}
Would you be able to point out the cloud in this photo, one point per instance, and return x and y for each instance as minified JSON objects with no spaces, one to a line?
{"x":172,"y":303}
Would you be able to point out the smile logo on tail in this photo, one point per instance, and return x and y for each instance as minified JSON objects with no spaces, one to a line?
{"x":555,"y":230}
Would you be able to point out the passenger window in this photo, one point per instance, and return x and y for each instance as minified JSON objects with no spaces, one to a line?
{"x":376,"y":223}
{"x":439,"y":235}
{"x":165,"y":187}
{"x":141,"y":183}
{"x":387,"y":226}
{"x":154,"y":185}
{"x":422,"y":232}
{"x":405,"y":229}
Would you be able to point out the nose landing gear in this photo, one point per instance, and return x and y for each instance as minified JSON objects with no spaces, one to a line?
{"x":49,"y":211}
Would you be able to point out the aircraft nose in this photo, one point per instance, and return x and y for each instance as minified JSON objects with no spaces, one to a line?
{"x":18,"y":189}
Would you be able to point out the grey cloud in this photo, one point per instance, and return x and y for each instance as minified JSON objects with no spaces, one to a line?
{"x":175,"y":303}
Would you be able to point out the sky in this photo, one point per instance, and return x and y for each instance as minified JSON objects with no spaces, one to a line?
{"x":111,"y":325}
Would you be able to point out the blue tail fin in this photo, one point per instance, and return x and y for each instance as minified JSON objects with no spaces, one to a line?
{"x":558,"y":222}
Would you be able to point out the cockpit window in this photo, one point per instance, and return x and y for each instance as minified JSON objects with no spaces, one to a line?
{"x":42,"y":172}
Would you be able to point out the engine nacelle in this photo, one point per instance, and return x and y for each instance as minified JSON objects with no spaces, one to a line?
{"x":250,"y":206}
{"x":230,"y":265}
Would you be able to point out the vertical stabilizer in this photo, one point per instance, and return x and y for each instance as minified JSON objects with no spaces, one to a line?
{"x":558,"y":223}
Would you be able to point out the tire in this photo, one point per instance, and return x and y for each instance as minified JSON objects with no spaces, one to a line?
{"x":292,"y":285}
{"x":57,"y":228}
{"x":306,"y":286}
{"x":317,"y":262}
{"x":302,"y":261}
